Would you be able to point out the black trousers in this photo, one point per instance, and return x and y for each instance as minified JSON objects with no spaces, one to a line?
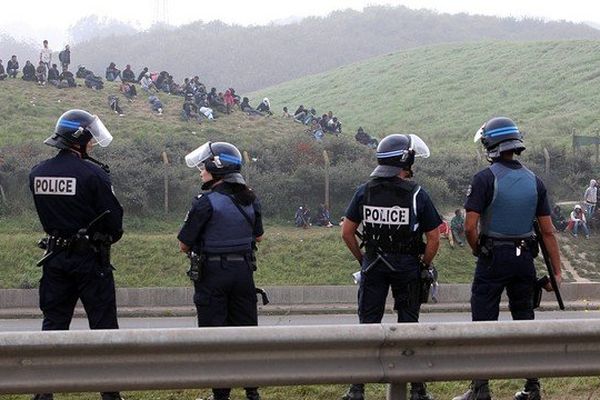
{"x":69,"y":277}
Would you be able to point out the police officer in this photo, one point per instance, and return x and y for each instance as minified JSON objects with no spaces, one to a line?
{"x":77,"y":208}
{"x":222,"y":227}
{"x":395,"y":213}
{"x":503,"y":201}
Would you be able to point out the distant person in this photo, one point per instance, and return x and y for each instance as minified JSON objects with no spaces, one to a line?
{"x":147,"y":84}
{"x":128,"y":90}
{"x":142,"y":74}
{"x":65,"y":57}
{"x":82,"y":72}
{"x":53,"y":75}
{"x":302,"y":217}
{"x":29,"y":72}
{"x":248,"y":109}
{"x":229,"y":100}
{"x":113,"y":104}
{"x":41,"y":73}
{"x":558,"y":219}
{"x":12,"y":67}
{"x":323,"y":217}
{"x":286,"y":114}
{"x":590,"y":197}
{"x":189,"y":109}
{"x":46,"y":55}
{"x":112,"y":72}
{"x":363,"y":137}
{"x":300,"y":114}
{"x":3,"y":73}
{"x":155,"y":104}
{"x":128,"y":75}
{"x":578,"y":222}
{"x":93,"y":81}
{"x":66,"y":79}
{"x":265,"y":106}
{"x":457,"y":226}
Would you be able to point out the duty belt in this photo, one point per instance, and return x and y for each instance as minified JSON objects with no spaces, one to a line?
{"x":227,"y":257}
{"x":59,"y":242}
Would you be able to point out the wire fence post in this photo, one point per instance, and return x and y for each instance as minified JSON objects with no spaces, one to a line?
{"x":326,"y":160}
{"x":166,"y":180}
{"x":396,"y":391}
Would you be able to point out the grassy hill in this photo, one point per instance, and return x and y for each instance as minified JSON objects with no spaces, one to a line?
{"x":445,"y":93}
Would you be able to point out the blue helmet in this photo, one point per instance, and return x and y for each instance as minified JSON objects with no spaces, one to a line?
{"x":397,"y":152}
{"x":500,"y":134}
{"x":219,"y":158}
{"x":75,"y":128}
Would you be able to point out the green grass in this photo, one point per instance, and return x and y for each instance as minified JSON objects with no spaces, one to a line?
{"x":445,"y":93}
{"x":581,"y":388}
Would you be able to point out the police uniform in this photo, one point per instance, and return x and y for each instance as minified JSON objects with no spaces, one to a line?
{"x":395,"y":213}
{"x":402,"y":207}
{"x":216,"y":228}
{"x":78,"y":210}
{"x":508,"y":196}
{"x":222,"y":229}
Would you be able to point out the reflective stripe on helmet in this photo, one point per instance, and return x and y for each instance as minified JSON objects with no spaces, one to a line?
{"x":502,"y":131}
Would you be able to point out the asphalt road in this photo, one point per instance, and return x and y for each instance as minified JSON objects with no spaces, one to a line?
{"x":17,"y":325}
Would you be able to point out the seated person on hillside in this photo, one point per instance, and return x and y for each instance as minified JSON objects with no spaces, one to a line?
{"x":558,"y":220}
{"x":147,"y":84}
{"x":207,"y":112}
{"x":302,"y":217}
{"x":446,"y":233}
{"x":190,"y":109}
{"x":363,"y":137}
{"x":578,"y":221}
{"x":310,"y":116}
{"x":128,"y":75}
{"x":316,"y":130}
{"x":128,"y":90}
{"x":82,"y":72}
{"x":300,"y":114}
{"x":66,"y":79}
{"x":94,"y":82}
{"x":12,"y":67}
{"x":265,"y":106}
{"x":142,"y":74}
{"x":40,"y":73}
{"x":113,"y":103}
{"x":215,"y":101}
{"x":334,"y":126}
{"x":457,"y":226}
{"x":229,"y":100}
{"x":53,"y":75}
{"x":248,"y":109}
{"x":112,"y":72}
{"x":323,"y":217}
{"x":286,"y":114}
{"x":29,"y":72}
{"x":3,"y":73}
{"x":155,"y":104}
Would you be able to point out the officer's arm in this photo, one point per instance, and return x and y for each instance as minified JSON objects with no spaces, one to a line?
{"x":184,"y":248}
{"x":431,"y":248}
{"x":471,"y":230}
{"x":547,"y":231}
{"x":349,"y":228}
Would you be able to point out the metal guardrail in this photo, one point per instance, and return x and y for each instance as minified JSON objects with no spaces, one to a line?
{"x":32,"y":362}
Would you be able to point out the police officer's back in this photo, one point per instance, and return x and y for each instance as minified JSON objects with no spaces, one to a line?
{"x":502,"y":203}
{"x":82,"y":218}
{"x":219,"y":233}
{"x":395,"y":213}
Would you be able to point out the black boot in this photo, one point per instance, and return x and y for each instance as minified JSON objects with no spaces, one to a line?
{"x":531,"y":391}
{"x":43,"y":396}
{"x":252,"y":394}
{"x":418,"y":391}
{"x":479,"y":390}
{"x":111,"y":396}
{"x":356,"y":391}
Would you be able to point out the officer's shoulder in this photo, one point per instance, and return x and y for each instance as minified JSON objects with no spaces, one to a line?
{"x":93,"y":169}
{"x":201,"y":199}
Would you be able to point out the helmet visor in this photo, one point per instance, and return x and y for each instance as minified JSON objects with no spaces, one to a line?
{"x":100,"y":135}
{"x":419,"y":147}
{"x":478,"y":134}
{"x":199,"y":155}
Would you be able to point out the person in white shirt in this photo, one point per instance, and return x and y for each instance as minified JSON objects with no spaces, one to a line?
{"x":590,"y":198}
{"x":46,"y":55}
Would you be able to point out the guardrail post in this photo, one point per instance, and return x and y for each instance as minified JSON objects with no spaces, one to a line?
{"x":396,"y":391}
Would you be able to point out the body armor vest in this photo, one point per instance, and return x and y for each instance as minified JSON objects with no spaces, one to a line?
{"x":227,"y":230}
{"x":511,"y":213}
{"x":390,"y":216}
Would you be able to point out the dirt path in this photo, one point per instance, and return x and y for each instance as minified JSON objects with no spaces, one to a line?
{"x":565,"y":248}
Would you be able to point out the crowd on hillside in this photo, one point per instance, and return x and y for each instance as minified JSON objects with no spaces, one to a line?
{"x":199,"y":103}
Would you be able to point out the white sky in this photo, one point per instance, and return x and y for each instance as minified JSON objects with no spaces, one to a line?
{"x":40,"y":22}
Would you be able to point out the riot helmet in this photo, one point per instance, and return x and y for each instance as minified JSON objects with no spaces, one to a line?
{"x":75,"y":128}
{"x":223,"y":160}
{"x":397,"y":152}
{"x":498,"y":135}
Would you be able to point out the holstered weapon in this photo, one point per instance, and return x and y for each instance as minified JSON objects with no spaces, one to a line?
{"x":549,"y":266}
{"x":195,"y":270}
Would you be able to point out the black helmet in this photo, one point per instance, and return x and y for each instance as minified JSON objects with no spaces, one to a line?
{"x":219,"y":158}
{"x":500,"y":134}
{"x":397,"y":152}
{"x":75,"y":128}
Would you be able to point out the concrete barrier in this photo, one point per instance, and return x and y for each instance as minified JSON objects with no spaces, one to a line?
{"x":16,"y":303}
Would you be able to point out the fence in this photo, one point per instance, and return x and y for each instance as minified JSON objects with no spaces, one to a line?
{"x":33,"y":362}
